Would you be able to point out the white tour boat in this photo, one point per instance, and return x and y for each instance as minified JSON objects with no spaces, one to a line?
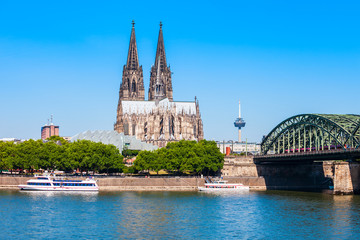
{"x":222,"y":185}
{"x":49,"y":183}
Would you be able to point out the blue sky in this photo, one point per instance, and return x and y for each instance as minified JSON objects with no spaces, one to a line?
{"x":280,"y":58}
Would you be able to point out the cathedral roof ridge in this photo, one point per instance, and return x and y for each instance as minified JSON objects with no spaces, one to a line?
{"x":148,"y":107}
{"x":183,"y":101}
{"x":136,"y":101}
{"x":164,"y":100}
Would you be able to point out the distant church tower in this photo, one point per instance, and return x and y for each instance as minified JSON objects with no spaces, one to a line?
{"x":132,"y":86}
{"x":160,"y":75}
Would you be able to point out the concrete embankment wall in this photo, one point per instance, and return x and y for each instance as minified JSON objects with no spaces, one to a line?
{"x":243,"y":170}
{"x":12,"y":182}
{"x":125,"y":184}
{"x":255,"y":183}
{"x":150,"y":184}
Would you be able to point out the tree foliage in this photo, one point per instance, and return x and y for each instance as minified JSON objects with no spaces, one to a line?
{"x":130,"y":153}
{"x":181,"y":157}
{"x":58,"y":154}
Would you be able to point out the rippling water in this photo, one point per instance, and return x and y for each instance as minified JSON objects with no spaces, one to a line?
{"x":178,"y":215}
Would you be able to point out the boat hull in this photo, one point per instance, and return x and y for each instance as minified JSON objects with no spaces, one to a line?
{"x":57,"y":189}
{"x":238,"y":189}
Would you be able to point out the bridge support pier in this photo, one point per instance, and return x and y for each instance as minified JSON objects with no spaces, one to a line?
{"x":342,"y":179}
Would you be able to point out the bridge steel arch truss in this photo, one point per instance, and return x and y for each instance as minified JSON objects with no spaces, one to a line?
{"x":313,"y":132}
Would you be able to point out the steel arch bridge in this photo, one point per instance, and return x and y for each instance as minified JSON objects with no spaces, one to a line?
{"x":313,"y":132}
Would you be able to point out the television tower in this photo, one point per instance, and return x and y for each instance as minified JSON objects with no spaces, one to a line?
{"x":239,"y":122}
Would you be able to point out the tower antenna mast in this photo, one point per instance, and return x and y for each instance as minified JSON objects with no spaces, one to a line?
{"x":239,"y":110}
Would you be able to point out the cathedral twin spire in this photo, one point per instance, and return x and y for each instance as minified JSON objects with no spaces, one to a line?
{"x":160,"y":57}
{"x":132,"y":86}
{"x":133,"y":59}
{"x":160,"y":71}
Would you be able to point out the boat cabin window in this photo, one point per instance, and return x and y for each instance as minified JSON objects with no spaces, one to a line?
{"x":41,"y":184}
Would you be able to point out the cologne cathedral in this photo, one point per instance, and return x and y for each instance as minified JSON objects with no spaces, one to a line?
{"x":159,"y":119}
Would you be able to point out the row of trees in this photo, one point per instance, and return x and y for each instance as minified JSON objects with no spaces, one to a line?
{"x":183,"y":157}
{"x":58,"y":154}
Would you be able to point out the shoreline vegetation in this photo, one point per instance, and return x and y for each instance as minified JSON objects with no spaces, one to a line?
{"x":183,"y":158}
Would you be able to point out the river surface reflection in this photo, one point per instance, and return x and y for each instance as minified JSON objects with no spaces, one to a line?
{"x":178,"y":215}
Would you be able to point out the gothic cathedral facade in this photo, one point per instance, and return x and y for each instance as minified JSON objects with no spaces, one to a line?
{"x":160,"y":119}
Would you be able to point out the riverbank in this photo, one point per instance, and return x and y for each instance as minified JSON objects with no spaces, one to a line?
{"x":146,"y":184}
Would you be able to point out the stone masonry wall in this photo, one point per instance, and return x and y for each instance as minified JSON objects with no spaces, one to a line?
{"x":241,"y":169}
{"x":150,"y":184}
{"x":12,"y":181}
{"x":239,"y":166}
{"x":125,"y":184}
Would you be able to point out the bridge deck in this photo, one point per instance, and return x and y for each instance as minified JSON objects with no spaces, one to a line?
{"x":348,"y":154}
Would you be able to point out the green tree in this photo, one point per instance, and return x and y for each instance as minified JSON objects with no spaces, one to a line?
{"x":144,"y":160}
{"x":58,"y":139}
{"x":211,"y":156}
{"x":92,"y":156}
{"x":27,"y":155}
{"x":130,"y":153}
{"x":112,"y":160}
{"x":7,"y":151}
{"x":57,"y":154}
{"x":181,"y":157}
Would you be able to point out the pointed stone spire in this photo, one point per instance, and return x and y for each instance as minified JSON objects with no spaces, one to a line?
{"x":132,"y":59}
{"x":160,"y":70}
{"x":160,"y":51}
{"x":132,"y":83}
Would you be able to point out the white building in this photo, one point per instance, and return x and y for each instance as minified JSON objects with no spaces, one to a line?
{"x":239,"y":147}
{"x":15,"y":140}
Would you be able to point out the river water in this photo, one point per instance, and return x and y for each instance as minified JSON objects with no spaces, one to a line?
{"x":178,"y":215}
